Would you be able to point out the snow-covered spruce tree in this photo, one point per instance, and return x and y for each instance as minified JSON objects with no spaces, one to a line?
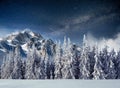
{"x":2,"y":71}
{"x":111,"y":74}
{"x":57,"y":61}
{"x":49,"y":58}
{"x":107,"y":64}
{"x":49,"y":66}
{"x":75,"y":54}
{"x":98,"y":72}
{"x":84,"y":61}
{"x":91,"y":56}
{"x":23,"y":68}
{"x":117,"y":64}
{"x":7,"y":66}
{"x":34,"y":65}
{"x":104,"y":58}
{"x":29,"y":69}
{"x":38,"y":66}
{"x":11,"y":67}
{"x":67,"y":61}
{"x":37,"y":69}
{"x":17,"y":70}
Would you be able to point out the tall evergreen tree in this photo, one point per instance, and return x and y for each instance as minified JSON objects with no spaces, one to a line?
{"x":67,"y":60}
{"x":84,"y":61}
{"x":57,"y":61}
{"x":17,"y":69}
{"x":98,"y":72}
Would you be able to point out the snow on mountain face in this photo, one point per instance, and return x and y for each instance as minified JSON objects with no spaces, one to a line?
{"x":25,"y":39}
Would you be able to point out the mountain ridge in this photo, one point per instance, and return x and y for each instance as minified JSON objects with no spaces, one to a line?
{"x":25,"y":40}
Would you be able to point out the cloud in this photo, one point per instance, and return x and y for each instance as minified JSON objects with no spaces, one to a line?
{"x":112,"y":43}
{"x":81,"y":19}
{"x":4,"y":32}
{"x":57,"y":33}
{"x":69,"y":25}
{"x":92,"y":21}
{"x":82,"y":23}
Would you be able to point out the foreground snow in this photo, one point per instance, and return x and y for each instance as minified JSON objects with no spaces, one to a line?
{"x":59,"y":84}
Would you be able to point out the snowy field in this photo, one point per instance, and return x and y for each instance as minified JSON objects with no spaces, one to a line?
{"x":59,"y":84}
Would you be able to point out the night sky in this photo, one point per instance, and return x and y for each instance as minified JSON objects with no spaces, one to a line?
{"x":58,"y":18}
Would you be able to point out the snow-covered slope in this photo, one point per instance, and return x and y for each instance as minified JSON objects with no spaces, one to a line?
{"x":59,"y":84}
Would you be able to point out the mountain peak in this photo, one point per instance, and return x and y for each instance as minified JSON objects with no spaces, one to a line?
{"x":24,"y":36}
{"x":25,"y":39}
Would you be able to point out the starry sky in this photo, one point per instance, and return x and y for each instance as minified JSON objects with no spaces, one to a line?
{"x":58,"y":18}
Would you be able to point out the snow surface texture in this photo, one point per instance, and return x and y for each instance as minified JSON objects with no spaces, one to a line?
{"x":59,"y":84}
{"x":27,"y":55}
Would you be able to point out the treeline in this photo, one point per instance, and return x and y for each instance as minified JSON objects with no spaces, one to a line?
{"x":66,"y":61}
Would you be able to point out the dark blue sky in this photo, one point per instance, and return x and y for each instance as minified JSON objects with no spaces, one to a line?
{"x":57,"y":18}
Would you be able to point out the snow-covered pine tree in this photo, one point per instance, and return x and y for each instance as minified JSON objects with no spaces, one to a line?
{"x":108,"y":67}
{"x":23,"y":68}
{"x":29,"y":69}
{"x":2,"y":75}
{"x":98,"y":72}
{"x":7,"y":66}
{"x":57,"y":61}
{"x":48,"y":59}
{"x":75,"y":54}
{"x":111,"y":74}
{"x":84,"y":61}
{"x":47,"y":67}
{"x":35,"y":65}
{"x":17,"y":70}
{"x":104,"y":60}
{"x":92,"y":60}
{"x":67,"y":60}
{"x":50,"y":69}
{"x":117,"y":64}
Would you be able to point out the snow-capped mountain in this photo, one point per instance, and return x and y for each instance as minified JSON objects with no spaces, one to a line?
{"x":25,"y":40}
